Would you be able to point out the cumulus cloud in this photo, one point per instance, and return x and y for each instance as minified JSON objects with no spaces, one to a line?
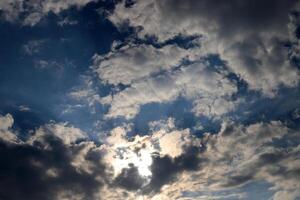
{"x":29,"y":13}
{"x":67,"y":134}
{"x":142,"y":165}
{"x":248,"y":35}
{"x":6,"y":123}
{"x":132,"y":63}
{"x":225,"y":161}
{"x":168,"y":163}
{"x":236,"y":46}
{"x":194,"y":82}
{"x":240,"y":154}
{"x":48,"y":165}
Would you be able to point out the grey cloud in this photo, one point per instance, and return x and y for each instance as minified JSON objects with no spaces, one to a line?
{"x":248,"y":35}
{"x":227,"y":19}
{"x":33,"y":46}
{"x":164,"y":171}
{"x":29,"y":172}
{"x":130,"y":179}
{"x":165,"y":168}
{"x":244,"y":154}
{"x":194,"y":82}
{"x":29,"y":13}
{"x":51,"y":164}
{"x":233,"y":17}
{"x":237,"y":155}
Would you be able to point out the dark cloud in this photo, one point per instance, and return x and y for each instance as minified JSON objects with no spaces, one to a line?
{"x":130,"y":179}
{"x":250,"y":36}
{"x":164,"y":169}
{"x":25,"y":172}
{"x":234,"y":16}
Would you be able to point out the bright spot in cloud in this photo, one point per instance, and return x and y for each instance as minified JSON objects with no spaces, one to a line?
{"x":143,"y":163}
{"x":141,"y":159}
{"x":121,"y":153}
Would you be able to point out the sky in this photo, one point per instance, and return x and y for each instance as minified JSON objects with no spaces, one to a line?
{"x":149,"y":100}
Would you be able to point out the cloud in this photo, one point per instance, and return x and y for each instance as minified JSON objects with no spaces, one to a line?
{"x":67,"y":21}
{"x":67,"y":134}
{"x":129,"y":159}
{"x":43,"y":173}
{"x":33,"y":46}
{"x":230,"y":50}
{"x":225,"y":161}
{"x":248,"y":35}
{"x":24,"y":108}
{"x":194,"y":82}
{"x":31,"y":12}
{"x":48,"y":166}
{"x":85,"y":95}
{"x":240,"y":154}
{"x":54,"y":163}
{"x":135,"y":62}
{"x":6,"y":123}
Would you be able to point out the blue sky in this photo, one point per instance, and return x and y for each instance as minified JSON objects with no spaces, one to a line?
{"x":149,"y":99}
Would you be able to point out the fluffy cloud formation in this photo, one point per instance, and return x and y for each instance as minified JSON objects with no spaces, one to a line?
{"x":132,"y":63}
{"x":210,"y":68}
{"x":142,"y":165}
{"x":168,"y":163}
{"x":194,"y":82}
{"x":31,"y":12}
{"x":48,"y":165}
{"x":181,"y":164}
{"x":6,"y":123}
{"x":248,"y":35}
{"x":68,"y":135}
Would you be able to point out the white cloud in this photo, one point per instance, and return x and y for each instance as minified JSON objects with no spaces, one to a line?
{"x":132,"y":63}
{"x":29,"y":13}
{"x":235,"y":156}
{"x":119,"y":151}
{"x":6,"y":122}
{"x":85,"y":95}
{"x":240,"y":154}
{"x":6,"y":134}
{"x":24,"y":108}
{"x":68,"y":134}
{"x":194,"y":82}
{"x":251,"y":43}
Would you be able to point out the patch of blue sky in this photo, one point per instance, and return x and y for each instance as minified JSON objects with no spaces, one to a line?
{"x":257,"y":108}
{"x":180,"y":111}
{"x":42,"y":79}
{"x":254,"y":190}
